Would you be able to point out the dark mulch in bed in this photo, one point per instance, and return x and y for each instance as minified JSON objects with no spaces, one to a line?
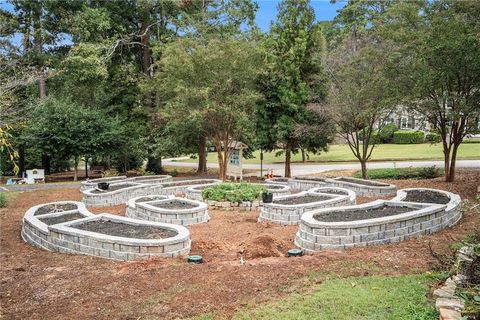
{"x":362,"y":214}
{"x":51,"y":208}
{"x":364,"y":182}
{"x":172,"y":205}
{"x":64,"y":218}
{"x":302,"y":200}
{"x":426,"y":196}
{"x":125,"y":230}
{"x":113,"y":188}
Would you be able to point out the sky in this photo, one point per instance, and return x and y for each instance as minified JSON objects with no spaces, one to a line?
{"x":324,"y":11}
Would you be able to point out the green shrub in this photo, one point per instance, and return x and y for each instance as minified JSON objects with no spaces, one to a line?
{"x":402,"y":173}
{"x":3,"y":200}
{"x":433,"y":137}
{"x":386,"y":134}
{"x":408,"y":137}
{"x":471,"y":140}
{"x":374,"y":137}
{"x":233,"y":192}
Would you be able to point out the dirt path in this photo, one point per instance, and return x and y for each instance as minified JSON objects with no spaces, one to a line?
{"x":37,"y":284}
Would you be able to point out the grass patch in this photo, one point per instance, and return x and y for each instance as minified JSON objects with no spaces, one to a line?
{"x":402,"y":173}
{"x":375,"y":297}
{"x":382,"y":152}
{"x":6,"y":197}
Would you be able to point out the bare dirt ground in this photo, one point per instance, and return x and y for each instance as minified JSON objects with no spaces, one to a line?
{"x":36,"y":284}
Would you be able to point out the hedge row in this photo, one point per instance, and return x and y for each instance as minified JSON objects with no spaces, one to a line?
{"x":402,"y":173}
{"x":408,"y":137}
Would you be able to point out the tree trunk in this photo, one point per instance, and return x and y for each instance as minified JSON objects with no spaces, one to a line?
{"x":446,"y":162}
{"x":21,"y":160}
{"x":221,"y":168}
{"x":154,"y":164}
{"x":75,"y":169}
{"x":303,"y":155}
{"x":453,"y":160}
{"x":288,"y":154}
{"x":46,"y":163}
{"x":38,"y":47}
{"x":363,"y":164}
{"x":86,"y":167}
{"x":202,"y":154}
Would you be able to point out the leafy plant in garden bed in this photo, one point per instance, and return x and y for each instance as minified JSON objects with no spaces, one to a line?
{"x":233,"y":192}
{"x":402,"y":173}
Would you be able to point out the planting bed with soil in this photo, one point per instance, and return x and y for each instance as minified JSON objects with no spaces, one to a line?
{"x":363,"y":182}
{"x":175,"y":205}
{"x":60,"y":219}
{"x":363,"y":214}
{"x":119,"y":229}
{"x":426,"y":196}
{"x":301,"y":199}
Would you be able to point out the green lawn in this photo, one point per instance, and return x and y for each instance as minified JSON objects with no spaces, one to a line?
{"x":372,"y":298}
{"x":381,"y":152}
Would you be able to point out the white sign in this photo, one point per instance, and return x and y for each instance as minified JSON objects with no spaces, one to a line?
{"x":234,"y":168}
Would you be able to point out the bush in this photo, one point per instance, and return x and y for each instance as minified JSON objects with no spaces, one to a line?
{"x":373,"y":137}
{"x":408,"y":137}
{"x":233,"y":192}
{"x":433,"y":137}
{"x":402,"y":173}
{"x":3,"y":200}
{"x":386,"y":134}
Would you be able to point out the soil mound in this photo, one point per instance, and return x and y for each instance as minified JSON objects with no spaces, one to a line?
{"x":263,"y":246}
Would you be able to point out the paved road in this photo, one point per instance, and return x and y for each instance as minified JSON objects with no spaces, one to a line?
{"x":305,"y":169}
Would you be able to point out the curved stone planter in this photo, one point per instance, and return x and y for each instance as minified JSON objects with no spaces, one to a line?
{"x":307,"y":183}
{"x":132,"y":203}
{"x":453,"y":209}
{"x":289,"y":214}
{"x":364,"y":188}
{"x":66,"y":237}
{"x":315,"y":235}
{"x":148,"y":210}
{"x":91,"y":184}
{"x":92,"y":197}
{"x":241,"y":206}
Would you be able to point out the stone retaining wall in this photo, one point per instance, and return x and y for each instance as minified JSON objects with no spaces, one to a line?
{"x":241,"y":206}
{"x":92,"y":183}
{"x":63,"y":237}
{"x":120,"y":196}
{"x":362,"y":190}
{"x":290,"y":214}
{"x":314,"y":235}
{"x":453,"y":207}
{"x":147,"y":211}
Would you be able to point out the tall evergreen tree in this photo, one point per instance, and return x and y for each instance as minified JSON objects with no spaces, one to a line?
{"x":294,"y":77}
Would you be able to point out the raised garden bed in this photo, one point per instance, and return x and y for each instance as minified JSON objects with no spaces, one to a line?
{"x":56,"y":208}
{"x":427,"y":196}
{"x":372,"y":223}
{"x":60,"y":219}
{"x":307,"y":198}
{"x":363,"y":182}
{"x":287,"y":210}
{"x":119,"y":229}
{"x":363,"y":214}
{"x":365,"y":188}
{"x":114,"y":237}
{"x":115,"y":187}
{"x":180,"y":187}
{"x":175,"y":205}
{"x":169,"y":210}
